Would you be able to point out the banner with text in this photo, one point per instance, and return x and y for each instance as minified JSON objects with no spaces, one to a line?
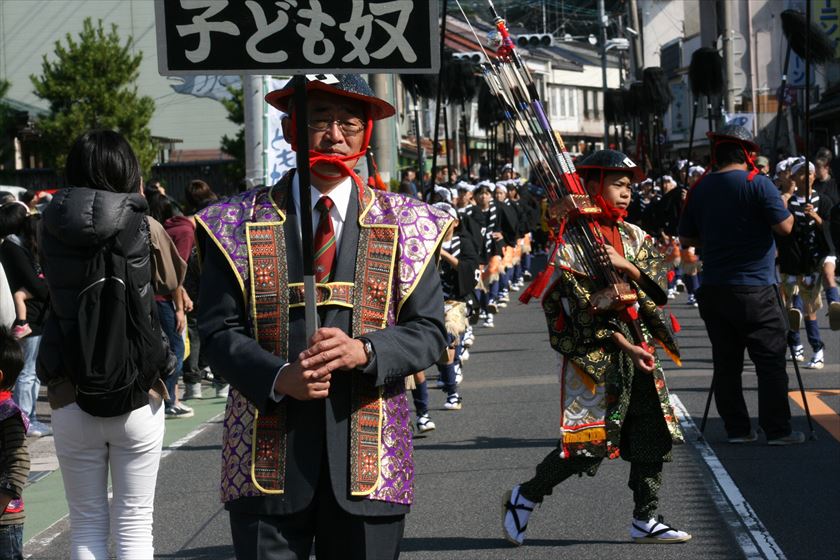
{"x":297,"y":36}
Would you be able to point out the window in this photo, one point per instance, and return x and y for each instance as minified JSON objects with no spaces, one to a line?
{"x":564,"y":102}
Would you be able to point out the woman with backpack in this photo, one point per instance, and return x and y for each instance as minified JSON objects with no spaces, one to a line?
{"x":103,"y":354}
{"x":19,"y":256}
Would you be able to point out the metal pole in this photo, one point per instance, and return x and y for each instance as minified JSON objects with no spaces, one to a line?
{"x":728,"y":58}
{"x":252,"y":95}
{"x":435,"y":144}
{"x":807,"y":153}
{"x":603,"y":23}
{"x":302,"y":114}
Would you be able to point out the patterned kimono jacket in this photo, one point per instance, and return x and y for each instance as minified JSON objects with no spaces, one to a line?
{"x":596,"y":377}
{"x":397,"y":242}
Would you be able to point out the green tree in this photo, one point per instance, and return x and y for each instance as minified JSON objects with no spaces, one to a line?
{"x":235,"y":147}
{"x":92,"y":84}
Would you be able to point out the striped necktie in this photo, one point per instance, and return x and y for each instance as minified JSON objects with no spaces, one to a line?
{"x":324,"y":241}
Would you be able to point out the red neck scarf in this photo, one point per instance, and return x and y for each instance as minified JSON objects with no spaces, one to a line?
{"x":609,"y":218}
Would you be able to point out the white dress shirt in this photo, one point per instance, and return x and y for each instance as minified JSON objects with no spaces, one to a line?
{"x":340,"y":196}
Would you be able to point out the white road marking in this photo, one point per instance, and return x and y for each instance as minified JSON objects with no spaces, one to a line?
{"x":753,"y":537}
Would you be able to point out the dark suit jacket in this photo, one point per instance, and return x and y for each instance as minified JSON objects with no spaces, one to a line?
{"x":318,"y":430}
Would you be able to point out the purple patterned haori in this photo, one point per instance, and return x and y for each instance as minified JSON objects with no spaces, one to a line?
{"x":419,"y":229}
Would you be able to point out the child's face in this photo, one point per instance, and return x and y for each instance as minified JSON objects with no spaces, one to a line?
{"x":617,"y":190}
{"x":800,"y":178}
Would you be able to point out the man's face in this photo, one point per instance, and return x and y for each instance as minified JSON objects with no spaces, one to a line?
{"x":464,"y":198}
{"x":336,"y":127}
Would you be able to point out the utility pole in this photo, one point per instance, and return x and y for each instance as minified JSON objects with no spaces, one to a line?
{"x":252,"y":95}
{"x":382,"y":139}
{"x":638,"y":54}
{"x":543,"y":15}
{"x":603,"y":23}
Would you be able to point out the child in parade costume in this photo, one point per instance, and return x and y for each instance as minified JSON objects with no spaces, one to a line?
{"x":614,"y":398}
{"x":800,"y":260}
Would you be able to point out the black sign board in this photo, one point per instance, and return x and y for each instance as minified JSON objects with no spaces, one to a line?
{"x":297,"y":36}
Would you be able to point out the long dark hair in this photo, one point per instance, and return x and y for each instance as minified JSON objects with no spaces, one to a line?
{"x":161,"y":207}
{"x":103,"y":160}
{"x":15,"y":219}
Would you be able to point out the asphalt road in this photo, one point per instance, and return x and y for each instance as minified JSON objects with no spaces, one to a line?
{"x":775,"y":503}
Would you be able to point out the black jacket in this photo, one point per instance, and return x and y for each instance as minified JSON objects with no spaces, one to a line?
{"x":75,"y":226}
{"x":23,"y":273}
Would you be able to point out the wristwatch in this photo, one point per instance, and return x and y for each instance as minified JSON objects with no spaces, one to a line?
{"x":368,"y":347}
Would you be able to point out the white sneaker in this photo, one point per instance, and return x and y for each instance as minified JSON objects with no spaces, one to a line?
{"x":488,"y":322}
{"x":817,"y":361}
{"x":192,"y":391}
{"x":502,"y":304}
{"x":38,"y":429}
{"x":799,"y":353}
{"x":679,"y":285}
{"x":187,"y":411}
{"x":453,"y":402}
{"x":492,"y":308}
{"x":222,"y":391}
{"x":515,"y":513}
{"x":425,"y":424}
{"x":465,"y":355}
{"x":672,"y":293}
{"x":469,"y":338}
{"x":655,"y":531}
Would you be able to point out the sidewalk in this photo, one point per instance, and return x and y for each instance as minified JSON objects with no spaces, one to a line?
{"x":44,"y":494}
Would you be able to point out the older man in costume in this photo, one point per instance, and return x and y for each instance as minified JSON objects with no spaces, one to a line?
{"x":317,"y":433}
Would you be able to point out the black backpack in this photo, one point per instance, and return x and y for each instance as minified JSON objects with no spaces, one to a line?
{"x":121,"y":350}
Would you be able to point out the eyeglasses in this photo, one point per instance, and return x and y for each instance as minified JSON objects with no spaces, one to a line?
{"x":348,"y":127}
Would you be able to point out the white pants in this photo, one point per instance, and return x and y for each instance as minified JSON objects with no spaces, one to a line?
{"x":130,"y":446}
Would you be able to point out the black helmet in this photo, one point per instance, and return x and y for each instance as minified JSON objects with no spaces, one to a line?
{"x":611,"y":160}
{"x":344,"y":85}
{"x":737,"y":133}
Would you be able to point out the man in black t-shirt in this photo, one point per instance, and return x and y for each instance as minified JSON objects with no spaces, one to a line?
{"x":731,"y":215}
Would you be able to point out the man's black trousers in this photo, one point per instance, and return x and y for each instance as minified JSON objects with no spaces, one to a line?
{"x":748,"y":317}
{"x":337,"y":534}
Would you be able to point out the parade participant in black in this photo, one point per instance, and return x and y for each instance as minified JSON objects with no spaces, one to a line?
{"x":317,"y":441}
{"x":486,"y":216}
{"x":508,"y":222}
{"x":731,"y":214}
{"x":458,"y":267}
{"x":826,"y":187}
{"x":801,"y":258}
{"x":614,"y":398}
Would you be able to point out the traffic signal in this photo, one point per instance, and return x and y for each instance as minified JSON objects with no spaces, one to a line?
{"x":535,"y":40}
{"x":475,"y":57}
